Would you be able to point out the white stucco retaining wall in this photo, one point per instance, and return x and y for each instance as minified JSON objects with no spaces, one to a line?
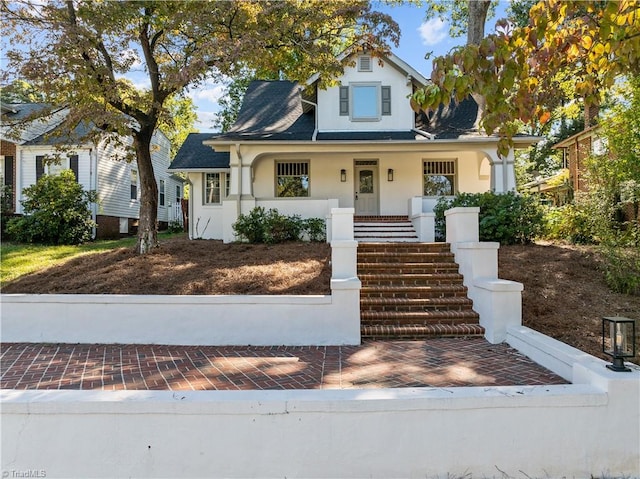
{"x":535,"y":431}
{"x":193,"y":320}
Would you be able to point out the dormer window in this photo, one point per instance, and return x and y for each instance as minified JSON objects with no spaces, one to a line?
{"x":364,"y":63}
{"x":365,"y":101}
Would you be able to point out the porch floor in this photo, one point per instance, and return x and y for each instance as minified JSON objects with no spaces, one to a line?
{"x":438,"y":362}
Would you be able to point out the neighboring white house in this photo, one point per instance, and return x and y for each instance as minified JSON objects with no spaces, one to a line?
{"x":97,"y":165}
{"x":356,"y":145}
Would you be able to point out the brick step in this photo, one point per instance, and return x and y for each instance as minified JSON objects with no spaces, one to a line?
{"x":404,"y":257}
{"x":371,"y":247}
{"x":417,"y":318}
{"x":407,"y":268}
{"x":413,"y":292}
{"x":420,"y":332}
{"x":409,"y":279}
{"x":416,"y":304}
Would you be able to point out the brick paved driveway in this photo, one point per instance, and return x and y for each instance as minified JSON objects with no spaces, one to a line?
{"x":445,"y":362}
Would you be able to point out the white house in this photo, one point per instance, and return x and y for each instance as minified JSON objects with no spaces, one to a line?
{"x":98,"y":165}
{"x":305,"y":150}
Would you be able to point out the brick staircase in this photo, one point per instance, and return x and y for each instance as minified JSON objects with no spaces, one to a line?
{"x":412,"y":291}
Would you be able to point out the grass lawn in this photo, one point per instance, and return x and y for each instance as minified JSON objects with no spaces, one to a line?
{"x":21,"y":259}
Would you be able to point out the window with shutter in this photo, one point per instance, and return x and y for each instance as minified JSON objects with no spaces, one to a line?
{"x":344,"y":101}
{"x":385,"y":92}
{"x":74,"y":166}
{"x":39,"y":167}
{"x":8,"y":171}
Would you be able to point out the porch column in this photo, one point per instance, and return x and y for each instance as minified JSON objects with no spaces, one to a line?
{"x":503,"y":172}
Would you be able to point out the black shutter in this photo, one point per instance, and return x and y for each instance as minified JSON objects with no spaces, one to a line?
{"x":386,"y":100}
{"x":73,"y":166}
{"x":39,"y":167}
{"x":344,"y":101}
{"x":8,"y":171}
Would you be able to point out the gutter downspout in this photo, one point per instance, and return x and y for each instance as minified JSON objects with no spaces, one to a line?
{"x":239,"y":195}
{"x":93,"y":184}
{"x":190,"y":208}
{"x":315,"y":114}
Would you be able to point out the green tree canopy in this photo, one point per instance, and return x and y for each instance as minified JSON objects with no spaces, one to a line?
{"x":82,"y":51}
{"x":518,"y":69}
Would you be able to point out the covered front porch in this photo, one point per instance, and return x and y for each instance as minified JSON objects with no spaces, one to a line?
{"x":391,"y":178}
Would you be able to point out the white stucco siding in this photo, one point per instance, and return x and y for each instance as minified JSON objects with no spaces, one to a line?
{"x":401,"y":118}
{"x":206,"y":221}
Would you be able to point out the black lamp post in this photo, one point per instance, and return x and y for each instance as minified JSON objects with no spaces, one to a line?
{"x":618,"y":341}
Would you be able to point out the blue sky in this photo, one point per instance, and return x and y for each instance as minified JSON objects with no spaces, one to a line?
{"x":418,"y":37}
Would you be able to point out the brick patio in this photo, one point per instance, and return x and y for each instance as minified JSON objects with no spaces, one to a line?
{"x":444,"y":362}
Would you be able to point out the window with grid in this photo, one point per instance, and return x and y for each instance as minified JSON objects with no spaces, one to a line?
{"x":134,"y":184}
{"x":213,"y":191}
{"x":292,"y":179}
{"x":439,"y":178}
{"x":161,"y":193}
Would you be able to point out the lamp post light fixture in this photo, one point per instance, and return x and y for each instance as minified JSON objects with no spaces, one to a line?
{"x":389,"y":174}
{"x":618,"y":341}
{"x":343,"y":176}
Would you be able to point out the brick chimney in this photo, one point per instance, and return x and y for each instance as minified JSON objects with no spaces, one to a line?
{"x":591,"y":115}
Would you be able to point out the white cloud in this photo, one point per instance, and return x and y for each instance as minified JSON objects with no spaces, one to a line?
{"x":433,"y":31}
{"x":206,"y":92}
{"x":204,"y":124}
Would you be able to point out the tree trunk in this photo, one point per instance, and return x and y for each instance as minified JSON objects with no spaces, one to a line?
{"x":478,"y":10}
{"x":148,"y":224}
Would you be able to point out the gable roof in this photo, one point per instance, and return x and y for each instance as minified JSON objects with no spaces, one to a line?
{"x":193,"y":154}
{"x":271,"y":110}
{"x":17,"y":125}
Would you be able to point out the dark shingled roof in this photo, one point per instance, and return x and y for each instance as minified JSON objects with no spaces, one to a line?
{"x":271,"y":110}
{"x":59,"y":136}
{"x":194,"y":155}
{"x":453,"y":120}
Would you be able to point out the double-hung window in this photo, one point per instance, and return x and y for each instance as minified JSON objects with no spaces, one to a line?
{"x":216,"y":188}
{"x":439,"y":177}
{"x":134,"y":185}
{"x":292,"y":179}
{"x":55,"y":167}
{"x":161,"y":193}
{"x":365,"y":101}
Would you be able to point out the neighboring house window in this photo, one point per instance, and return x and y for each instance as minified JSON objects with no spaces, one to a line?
{"x":134,"y":184}
{"x":178,"y":194}
{"x":161,"y":193}
{"x":365,"y":101}
{"x":439,"y":178}
{"x":213,"y":188}
{"x":292,"y":179}
{"x":69,"y":163}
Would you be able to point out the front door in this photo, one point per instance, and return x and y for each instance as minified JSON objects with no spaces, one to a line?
{"x":366,"y":188}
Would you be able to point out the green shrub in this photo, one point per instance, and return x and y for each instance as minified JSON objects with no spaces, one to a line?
{"x":175,"y":226}
{"x":508,"y":218}
{"x":315,"y":229}
{"x":569,"y":223}
{"x":56,"y":211}
{"x":622,"y":269}
{"x":269,"y":226}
